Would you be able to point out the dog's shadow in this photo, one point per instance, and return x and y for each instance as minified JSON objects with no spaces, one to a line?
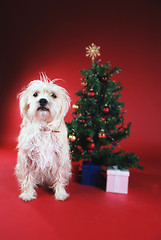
{"x":44,"y":189}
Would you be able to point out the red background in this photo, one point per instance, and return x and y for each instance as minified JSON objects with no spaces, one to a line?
{"x":51,"y":36}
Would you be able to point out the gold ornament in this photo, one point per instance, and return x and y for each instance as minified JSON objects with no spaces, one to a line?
{"x":102,"y":134}
{"x":93,"y":51}
{"x":72,"y":137}
{"x":75,"y":106}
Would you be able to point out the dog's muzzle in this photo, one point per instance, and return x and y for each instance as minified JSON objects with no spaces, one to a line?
{"x":43,"y":102}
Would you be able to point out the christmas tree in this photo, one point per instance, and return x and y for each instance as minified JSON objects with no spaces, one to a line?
{"x":98,"y":120}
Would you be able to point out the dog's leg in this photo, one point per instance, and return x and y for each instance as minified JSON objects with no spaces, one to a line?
{"x":62,"y":177}
{"x":60,"y":193}
{"x":27,"y":189}
{"x":25,"y":179}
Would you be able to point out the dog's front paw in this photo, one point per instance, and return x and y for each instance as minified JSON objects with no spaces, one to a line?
{"x":61,"y":194}
{"x":28,"y":195}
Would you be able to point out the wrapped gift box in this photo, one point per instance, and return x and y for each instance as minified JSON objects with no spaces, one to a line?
{"x":91,"y":175}
{"x":117,"y":181}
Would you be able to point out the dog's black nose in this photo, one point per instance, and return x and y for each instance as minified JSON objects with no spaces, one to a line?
{"x":43,"y":102}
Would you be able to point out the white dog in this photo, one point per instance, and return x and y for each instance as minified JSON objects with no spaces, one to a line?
{"x":43,"y":147}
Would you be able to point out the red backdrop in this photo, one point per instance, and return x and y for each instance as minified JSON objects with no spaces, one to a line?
{"x":51,"y":37}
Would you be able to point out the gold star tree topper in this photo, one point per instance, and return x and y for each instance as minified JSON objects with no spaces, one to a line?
{"x":93,"y":51}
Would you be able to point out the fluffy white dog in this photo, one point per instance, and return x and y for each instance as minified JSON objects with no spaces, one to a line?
{"x":43,"y":147}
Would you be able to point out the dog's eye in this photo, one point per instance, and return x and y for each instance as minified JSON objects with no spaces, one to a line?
{"x":53,"y":95}
{"x":35,"y":94}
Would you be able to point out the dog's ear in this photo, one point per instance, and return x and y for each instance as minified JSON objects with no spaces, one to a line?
{"x":65,"y":105}
{"x":24,"y":106}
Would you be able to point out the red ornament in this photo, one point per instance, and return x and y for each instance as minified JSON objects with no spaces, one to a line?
{"x":91,"y":94}
{"x":79,"y":148}
{"x":104,"y":79}
{"x":84,"y":82}
{"x":103,"y":147}
{"x":90,"y":151}
{"x":103,"y":119}
{"x":106,"y":109}
{"x":82,"y":121}
{"x":91,"y":145}
{"x":89,"y":139}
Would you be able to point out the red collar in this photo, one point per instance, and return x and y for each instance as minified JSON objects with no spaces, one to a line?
{"x":48,"y":130}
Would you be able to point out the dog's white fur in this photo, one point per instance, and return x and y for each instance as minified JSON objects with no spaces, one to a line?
{"x":43,"y":147}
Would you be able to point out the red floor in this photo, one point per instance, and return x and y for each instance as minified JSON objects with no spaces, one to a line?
{"x":89,"y":213}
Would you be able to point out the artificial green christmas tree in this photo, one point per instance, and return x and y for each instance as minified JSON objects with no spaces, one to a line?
{"x":98,"y":120}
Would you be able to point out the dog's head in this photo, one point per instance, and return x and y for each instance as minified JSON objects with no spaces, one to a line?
{"x":43,"y":100}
